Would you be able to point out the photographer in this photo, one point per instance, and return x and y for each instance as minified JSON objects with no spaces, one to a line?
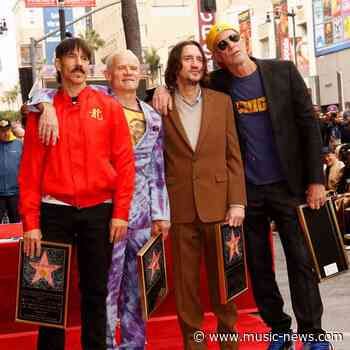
{"x":330,"y":127}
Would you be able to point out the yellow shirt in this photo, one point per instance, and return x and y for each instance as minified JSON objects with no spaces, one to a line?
{"x":137,"y":124}
{"x":11,"y":136}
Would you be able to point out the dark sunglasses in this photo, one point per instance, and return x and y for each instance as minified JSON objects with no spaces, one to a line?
{"x":222,"y":44}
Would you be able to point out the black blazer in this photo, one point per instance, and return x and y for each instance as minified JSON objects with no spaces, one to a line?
{"x":296,"y":131}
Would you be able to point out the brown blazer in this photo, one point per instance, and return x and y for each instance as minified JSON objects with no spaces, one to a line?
{"x":208,"y":180}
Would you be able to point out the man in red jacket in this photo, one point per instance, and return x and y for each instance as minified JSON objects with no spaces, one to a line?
{"x":79,"y":191}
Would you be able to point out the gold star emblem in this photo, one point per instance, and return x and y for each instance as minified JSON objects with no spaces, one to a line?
{"x":96,"y":113}
{"x":154,"y":265}
{"x":233,"y":246}
{"x":44,"y":270}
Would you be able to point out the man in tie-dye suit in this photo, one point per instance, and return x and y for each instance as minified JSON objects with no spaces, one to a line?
{"x":149,"y":212}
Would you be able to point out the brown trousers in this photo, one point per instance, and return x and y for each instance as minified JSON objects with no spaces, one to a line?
{"x":189,"y":241}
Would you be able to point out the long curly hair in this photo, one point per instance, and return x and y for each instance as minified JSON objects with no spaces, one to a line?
{"x":174,"y":64}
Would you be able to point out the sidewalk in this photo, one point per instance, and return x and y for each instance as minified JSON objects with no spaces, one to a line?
{"x":335,"y":295}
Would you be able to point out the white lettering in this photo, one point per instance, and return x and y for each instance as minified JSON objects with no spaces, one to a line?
{"x":206,"y":16}
{"x":205,"y":30}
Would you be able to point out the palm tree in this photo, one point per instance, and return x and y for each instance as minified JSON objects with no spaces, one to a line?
{"x":5,"y":99}
{"x":8,"y":99}
{"x":94,"y":41}
{"x":132,"y":27}
{"x":11,"y":96}
{"x":152,"y":59}
{"x":14,"y":93}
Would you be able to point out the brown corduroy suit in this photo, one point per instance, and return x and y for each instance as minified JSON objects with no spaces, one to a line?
{"x":201,"y":184}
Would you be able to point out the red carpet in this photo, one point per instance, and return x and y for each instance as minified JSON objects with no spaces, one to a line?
{"x":163,"y":333}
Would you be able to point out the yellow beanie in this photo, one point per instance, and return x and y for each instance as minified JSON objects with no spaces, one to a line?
{"x":215,"y":30}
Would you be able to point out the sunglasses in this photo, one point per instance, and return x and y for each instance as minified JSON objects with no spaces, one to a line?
{"x":222,"y":44}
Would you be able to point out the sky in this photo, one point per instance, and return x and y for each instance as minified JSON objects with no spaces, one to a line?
{"x":9,"y":72}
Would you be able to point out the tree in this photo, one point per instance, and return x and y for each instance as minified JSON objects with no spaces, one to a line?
{"x":10,"y":115}
{"x":94,"y":41}
{"x":11,"y":96}
{"x":5,"y":99}
{"x":152,"y":59}
{"x":15,"y":93}
{"x":132,"y":27}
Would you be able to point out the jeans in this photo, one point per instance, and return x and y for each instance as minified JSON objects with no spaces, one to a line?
{"x":88,"y":228}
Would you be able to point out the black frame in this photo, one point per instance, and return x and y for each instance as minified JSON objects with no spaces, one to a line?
{"x":233,"y":276}
{"x":38,"y":302}
{"x":324,"y":240}
{"x":153,"y":288}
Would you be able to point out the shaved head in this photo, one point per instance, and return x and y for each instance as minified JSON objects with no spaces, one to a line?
{"x":122,"y":56}
{"x":123,"y":72}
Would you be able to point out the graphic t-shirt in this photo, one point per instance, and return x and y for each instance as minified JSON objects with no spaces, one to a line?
{"x":137,"y":124}
{"x":262,"y":163}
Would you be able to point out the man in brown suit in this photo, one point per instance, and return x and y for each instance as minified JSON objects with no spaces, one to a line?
{"x":205,"y":181}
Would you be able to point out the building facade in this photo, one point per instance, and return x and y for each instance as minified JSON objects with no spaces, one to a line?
{"x":8,"y":64}
{"x":272,"y":29}
{"x":331,"y":22}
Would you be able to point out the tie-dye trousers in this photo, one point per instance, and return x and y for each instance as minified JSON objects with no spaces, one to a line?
{"x":123,"y":300}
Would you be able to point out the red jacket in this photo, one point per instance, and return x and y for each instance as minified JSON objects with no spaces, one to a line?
{"x":92,"y":162}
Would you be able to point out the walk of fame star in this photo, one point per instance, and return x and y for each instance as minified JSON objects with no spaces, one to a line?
{"x":233,"y":246}
{"x":44,"y":270}
{"x":154,"y":265}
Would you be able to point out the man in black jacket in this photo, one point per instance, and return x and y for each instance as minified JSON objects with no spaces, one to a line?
{"x":281,"y":146}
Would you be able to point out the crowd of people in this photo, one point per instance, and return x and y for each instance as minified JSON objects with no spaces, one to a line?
{"x":218,"y":147}
{"x":334,"y":125}
{"x":335,"y":132}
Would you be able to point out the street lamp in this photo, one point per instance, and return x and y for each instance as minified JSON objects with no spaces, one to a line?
{"x":276,"y":16}
{"x":3,"y":26}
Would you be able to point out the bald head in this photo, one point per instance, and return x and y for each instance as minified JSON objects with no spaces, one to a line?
{"x":123,"y":72}
{"x":121,"y":57}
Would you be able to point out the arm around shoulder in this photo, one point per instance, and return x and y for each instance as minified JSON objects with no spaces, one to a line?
{"x":31,"y":175}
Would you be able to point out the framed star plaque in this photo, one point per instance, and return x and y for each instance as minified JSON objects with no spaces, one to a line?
{"x":324,"y":240}
{"x":152,"y":275}
{"x":233,"y":279}
{"x":43,"y":285}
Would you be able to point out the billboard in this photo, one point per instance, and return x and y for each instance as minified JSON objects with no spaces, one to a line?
{"x":51,"y":23}
{"x":283,"y":47}
{"x":331,"y":25}
{"x":302,"y":51}
{"x":54,"y":3}
{"x":245,"y":28}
